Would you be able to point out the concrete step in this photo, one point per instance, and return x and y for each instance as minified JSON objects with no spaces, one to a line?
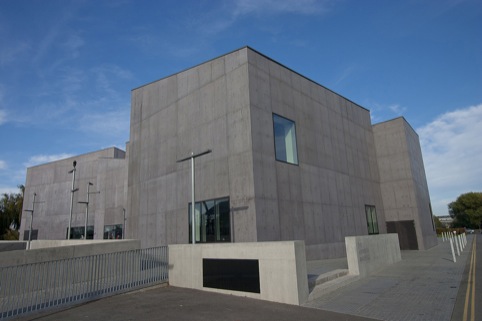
{"x":329,"y":282}
{"x":314,"y":280}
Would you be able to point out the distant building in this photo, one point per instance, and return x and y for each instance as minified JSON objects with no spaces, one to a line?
{"x":446,"y":220}
{"x":290,"y":160}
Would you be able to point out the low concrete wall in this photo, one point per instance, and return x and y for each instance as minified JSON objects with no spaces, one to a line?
{"x":282,"y":268}
{"x":368,"y":253}
{"x":12,"y":245}
{"x":56,"y":250}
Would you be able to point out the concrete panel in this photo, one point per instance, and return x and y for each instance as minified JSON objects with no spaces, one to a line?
{"x":12,"y":245}
{"x":282,"y":268}
{"x":49,"y":250}
{"x":367,"y":254}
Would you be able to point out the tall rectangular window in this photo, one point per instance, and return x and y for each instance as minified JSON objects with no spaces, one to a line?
{"x":77,"y":232}
{"x":372,"y":221}
{"x":285,"y":140}
{"x":113,"y":232}
{"x":213,"y":223}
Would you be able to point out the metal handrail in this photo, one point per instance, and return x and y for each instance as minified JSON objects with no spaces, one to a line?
{"x":36,"y":286}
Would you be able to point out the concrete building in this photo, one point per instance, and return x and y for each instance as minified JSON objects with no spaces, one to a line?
{"x":408,"y":211}
{"x":290,"y":160}
{"x":105,"y":169}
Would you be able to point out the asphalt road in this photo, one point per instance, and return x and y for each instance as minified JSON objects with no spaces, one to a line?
{"x":171,"y":303}
{"x":467,"y":306}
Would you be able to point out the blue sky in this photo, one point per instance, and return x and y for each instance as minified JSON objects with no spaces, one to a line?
{"x":67,"y":69}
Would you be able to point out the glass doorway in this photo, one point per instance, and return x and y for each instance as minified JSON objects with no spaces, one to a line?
{"x":212,"y":221}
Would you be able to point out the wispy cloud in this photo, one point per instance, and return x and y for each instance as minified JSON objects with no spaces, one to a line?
{"x":397,"y":109}
{"x":9,"y":53}
{"x":305,"y":7}
{"x":3,"y":116}
{"x":3,"y":164}
{"x":344,"y":74}
{"x":113,"y":123}
{"x":42,"y":159}
{"x":216,"y":18}
{"x":388,"y":111}
{"x":9,"y":190}
{"x":452,"y":152}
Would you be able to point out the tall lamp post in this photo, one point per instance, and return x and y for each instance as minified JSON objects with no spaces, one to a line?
{"x":72,"y":191}
{"x":193,"y":199}
{"x":87,"y":207}
{"x":31,"y":220}
{"x":124,"y":224}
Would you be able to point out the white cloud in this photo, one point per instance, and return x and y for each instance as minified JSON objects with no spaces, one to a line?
{"x":3,"y":164}
{"x":382,"y":112}
{"x":222,"y":18}
{"x":42,"y":159}
{"x":397,"y":109}
{"x":9,"y":190}
{"x":452,"y":152}
{"x":111,"y":123}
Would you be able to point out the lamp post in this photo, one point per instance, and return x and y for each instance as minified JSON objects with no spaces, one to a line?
{"x":124,"y":225}
{"x":31,"y":220}
{"x":87,"y":207}
{"x":72,"y":191}
{"x":193,"y":199}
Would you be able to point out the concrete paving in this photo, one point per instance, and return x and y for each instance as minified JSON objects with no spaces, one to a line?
{"x":423,"y":286}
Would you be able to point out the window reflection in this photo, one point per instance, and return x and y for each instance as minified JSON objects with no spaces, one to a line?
{"x":212,"y":221}
{"x":285,"y":140}
{"x":113,"y":232}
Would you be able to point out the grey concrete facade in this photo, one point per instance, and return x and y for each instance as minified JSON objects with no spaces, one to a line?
{"x":403,"y":182}
{"x":52,"y":182}
{"x":227,"y":105}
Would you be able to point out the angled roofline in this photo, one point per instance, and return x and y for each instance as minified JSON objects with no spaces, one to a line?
{"x":396,"y":118}
{"x":261,"y":54}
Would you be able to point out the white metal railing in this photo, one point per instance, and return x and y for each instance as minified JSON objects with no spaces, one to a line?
{"x":36,"y":286}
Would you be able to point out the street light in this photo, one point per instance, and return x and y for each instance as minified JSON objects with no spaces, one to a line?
{"x":193,"y":204}
{"x":87,"y":207}
{"x":31,"y":220}
{"x":72,"y":191}
{"x":124,"y":225}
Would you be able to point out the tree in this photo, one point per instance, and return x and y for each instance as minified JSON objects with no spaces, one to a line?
{"x":438,"y":224}
{"x":467,"y":210}
{"x":11,"y":213}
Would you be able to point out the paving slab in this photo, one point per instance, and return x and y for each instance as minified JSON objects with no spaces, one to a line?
{"x":423,"y":286}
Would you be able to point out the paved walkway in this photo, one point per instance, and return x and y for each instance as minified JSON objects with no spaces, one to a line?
{"x":423,"y":286}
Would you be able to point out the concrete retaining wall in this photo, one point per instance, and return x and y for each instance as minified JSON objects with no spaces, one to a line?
{"x":12,"y":245}
{"x":368,"y":253}
{"x":43,"y":251}
{"x":282,"y":268}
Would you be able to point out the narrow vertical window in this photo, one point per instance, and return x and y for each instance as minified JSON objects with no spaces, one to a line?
{"x":372,"y":221}
{"x":213,"y":222}
{"x":285,"y":140}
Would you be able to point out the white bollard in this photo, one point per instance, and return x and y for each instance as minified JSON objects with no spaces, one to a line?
{"x":452,"y":247}
{"x":457,"y":245}
{"x":443,"y":236}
